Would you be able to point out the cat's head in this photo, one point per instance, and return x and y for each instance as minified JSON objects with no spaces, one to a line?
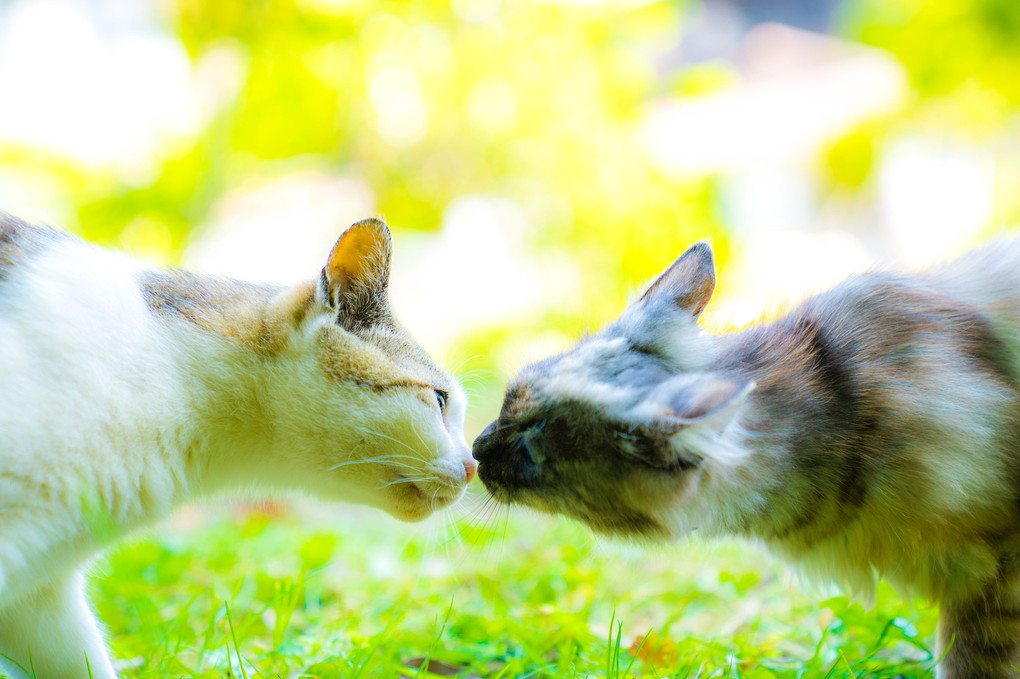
{"x":365,"y":413}
{"x":623,"y":430}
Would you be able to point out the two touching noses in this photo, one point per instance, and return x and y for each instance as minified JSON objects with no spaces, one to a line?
{"x":470,"y":469}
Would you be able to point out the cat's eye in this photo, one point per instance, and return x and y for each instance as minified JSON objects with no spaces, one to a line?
{"x":441,"y":398}
{"x":529,"y":455}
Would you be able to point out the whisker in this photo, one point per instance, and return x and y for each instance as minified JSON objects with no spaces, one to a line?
{"x":506,"y":527}
{"x":389,"y":458}
{"x":483,"y":515}
{"x":406,"y":480}
{"x":415,"y":430}
{"x":385,"y":436}
{"x":458,"y":364}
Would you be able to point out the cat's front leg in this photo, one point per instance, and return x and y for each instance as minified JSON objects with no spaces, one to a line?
{"x":979,"y":636}
{"x":51,"y":633}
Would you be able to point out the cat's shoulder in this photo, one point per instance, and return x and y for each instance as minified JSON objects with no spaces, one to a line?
{"x":942,"y":287}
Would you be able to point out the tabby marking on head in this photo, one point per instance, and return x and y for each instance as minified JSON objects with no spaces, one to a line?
{"x":128,"y":392}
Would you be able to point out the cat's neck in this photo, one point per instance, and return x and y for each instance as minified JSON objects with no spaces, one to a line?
{"x":800,"y":406}
{"x":228,"y":340}
{"x":791,"y":363}
{"x":811,"y":415}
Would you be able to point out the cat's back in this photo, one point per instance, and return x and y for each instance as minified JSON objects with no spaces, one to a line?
{"x":988,"y":279}
{"x":76,"y":334}
{"x":967,"y":308}
{"x":20,"y":243}
{"x":53,"y":284}
{"x":900,"y":392}
{"x":90,"y":398}
{"x":904,"y":362}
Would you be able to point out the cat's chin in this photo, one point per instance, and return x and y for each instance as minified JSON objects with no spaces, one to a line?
{"x":646,"y":534}
{"x":636,"y":527}
{"x":415,"y":504}
{"x":421,"y":512}
{"x":409,"y":514}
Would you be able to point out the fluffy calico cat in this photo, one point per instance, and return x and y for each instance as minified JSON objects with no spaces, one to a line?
{"x":127,"y":391}
{"x":873,"y":431}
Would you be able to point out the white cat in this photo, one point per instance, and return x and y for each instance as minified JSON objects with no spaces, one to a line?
{"x":126,"y":391}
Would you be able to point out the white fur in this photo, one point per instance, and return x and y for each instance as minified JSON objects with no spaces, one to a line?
{"x":110,"y":417}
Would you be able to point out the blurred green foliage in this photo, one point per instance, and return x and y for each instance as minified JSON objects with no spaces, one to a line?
{"x":962,"y":54}
{"x":534,"y":101}
{"x":538,"y":102}
{"x":514,"y":596}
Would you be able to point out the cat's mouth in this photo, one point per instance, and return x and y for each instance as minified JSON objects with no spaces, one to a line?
{"x":436,"y":498}
{"x":418,"y":498}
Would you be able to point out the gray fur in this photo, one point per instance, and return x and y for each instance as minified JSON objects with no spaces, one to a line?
{"x":874,"y":429}
{"x":21,"y":241}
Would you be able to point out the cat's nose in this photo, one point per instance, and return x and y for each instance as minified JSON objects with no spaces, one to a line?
{"x":481,"y":437}
{"x":470,"y":468}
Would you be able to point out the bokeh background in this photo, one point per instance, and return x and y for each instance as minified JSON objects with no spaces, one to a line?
{"x":538,"y":161}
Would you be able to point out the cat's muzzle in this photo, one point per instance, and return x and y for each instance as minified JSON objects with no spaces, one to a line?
{"x":505,"y":466}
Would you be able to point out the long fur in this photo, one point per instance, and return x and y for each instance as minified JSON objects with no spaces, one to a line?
{"x":874,"y":431}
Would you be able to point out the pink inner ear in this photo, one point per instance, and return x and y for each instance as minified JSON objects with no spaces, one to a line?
{"x":360,"y":257}
{"x":696,"y":300}
{"x":689,"y":281}
{"x":712,"y":398}
{"x":705,"y":397}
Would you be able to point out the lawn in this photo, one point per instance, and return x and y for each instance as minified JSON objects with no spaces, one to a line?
{"x":335,"y":591}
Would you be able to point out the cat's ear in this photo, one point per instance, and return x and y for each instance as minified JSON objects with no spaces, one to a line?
{"x":704,"y":401}
{"x":688,"y":283}
{"x":357,"y":272}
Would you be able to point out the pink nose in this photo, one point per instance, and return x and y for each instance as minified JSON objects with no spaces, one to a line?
{"x":470,"y":467}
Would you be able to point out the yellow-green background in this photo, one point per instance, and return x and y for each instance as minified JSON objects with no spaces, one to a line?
{"x":540,"y":104}
{"x":537,"y":102}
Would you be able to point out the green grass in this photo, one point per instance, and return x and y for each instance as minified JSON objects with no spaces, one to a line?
{"x":341,"y":592}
